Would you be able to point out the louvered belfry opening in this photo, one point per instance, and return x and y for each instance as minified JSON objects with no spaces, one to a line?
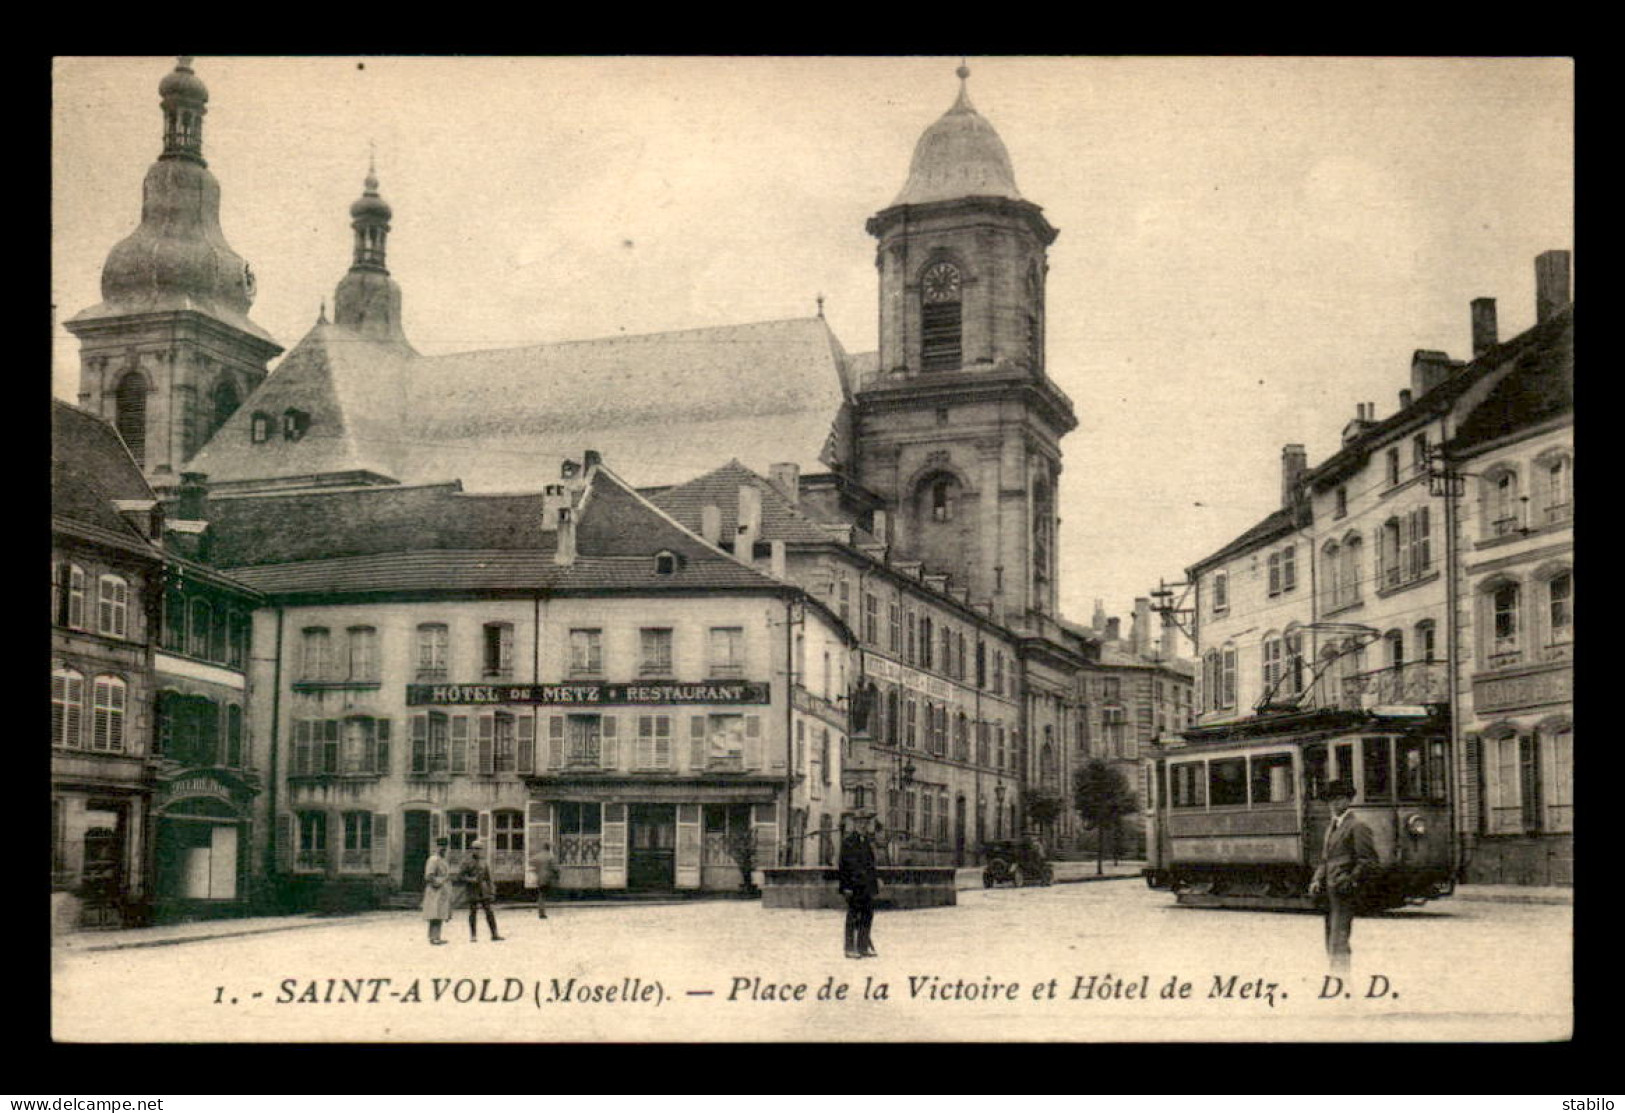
{"x":940,"y":346}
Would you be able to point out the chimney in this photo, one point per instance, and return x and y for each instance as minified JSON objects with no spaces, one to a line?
{"x":1114,"y":629}
{"x":776,"y":561}
{"x":1294,"y":462}
{"x":192,"y":500}
{"x":787,"y":478}
{"x":1142,"y":626}
{"x":881,"y":527}
{"x":750,"y":521}
{"x":1405,"y":398}
{"x":566,"y":524}
{"x":591,"y":459}
{"x":711,"y":524}
{"x":1170,"y":639}
{"x":1428,"y":370}
{"x":1551,"y":284}
{"x":1483,"y":325}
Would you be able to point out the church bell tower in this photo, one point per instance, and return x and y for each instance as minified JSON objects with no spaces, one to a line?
{"x":959,"y":427}
{"x":170,"y":352}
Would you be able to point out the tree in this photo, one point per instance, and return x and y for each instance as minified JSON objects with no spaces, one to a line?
{"x":742,"y":848}
{"x":1041,"y":808}
{"x":1102,"y":798}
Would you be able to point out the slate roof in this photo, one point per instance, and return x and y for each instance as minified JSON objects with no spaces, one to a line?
{"x":439,"y":537}
{"x":1539,"y":386}
{"x":655,"y":406}
{"x":90,"y":468}
{"x":720,"y":488}
{"x":1277,"y":524}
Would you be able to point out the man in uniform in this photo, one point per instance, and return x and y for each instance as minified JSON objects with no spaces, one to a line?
{"x":1348,"y":859}
{"x":859,"y":883}
{"x":437,"y":890}
{"x":475,"y":877}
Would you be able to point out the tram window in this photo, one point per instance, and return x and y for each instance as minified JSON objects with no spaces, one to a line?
{"x":1227,"y":781}
{"x":1188,"y":786}
{"x":1378,"y":768}
{"x":1343,"y":766}
{"x":1315,"y":773}
{"x":1438,"y":779}
{"x":1421,"y":769}
{"x":1272,"y":778}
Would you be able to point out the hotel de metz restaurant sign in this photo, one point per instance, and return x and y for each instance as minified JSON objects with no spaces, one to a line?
{"x":590,"y":692}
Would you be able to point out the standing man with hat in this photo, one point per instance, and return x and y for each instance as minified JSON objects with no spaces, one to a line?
{"x":437,"y":890}
{"x":859,"y":883}
{"x":475,"y":877}
{"x":546,"y":868}
{"x":1348,"y":859}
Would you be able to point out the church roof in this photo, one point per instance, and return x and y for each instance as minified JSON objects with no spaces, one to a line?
{"x":656,"y":406}
{"x":959,"y":156}
{"x":1539,"y":386}
{"x":781,"y":521}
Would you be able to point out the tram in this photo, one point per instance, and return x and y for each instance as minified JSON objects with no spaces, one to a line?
{"x":1239,"y":822}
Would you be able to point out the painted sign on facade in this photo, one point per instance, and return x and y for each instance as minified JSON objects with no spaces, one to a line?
{"x":587,"y":692}
{"x":1526,"y":690}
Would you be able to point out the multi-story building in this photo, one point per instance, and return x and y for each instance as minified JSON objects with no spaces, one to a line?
{"x":107,"y":576}
{"x":1511,"y":472}
{"x":1362,"y":611}
{"x":571,"y":667}
{"x":938,"y":739}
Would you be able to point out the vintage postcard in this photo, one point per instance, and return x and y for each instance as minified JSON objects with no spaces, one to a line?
{"x":812,"y":549}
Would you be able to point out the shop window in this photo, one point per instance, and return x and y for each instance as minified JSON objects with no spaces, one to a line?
{"x":357,"y":841}
{"x":312,"y":848}
{"x":462,"y":828}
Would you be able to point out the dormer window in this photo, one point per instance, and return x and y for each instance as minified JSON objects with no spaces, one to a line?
{"x":666,"y":563}
{"x":295,"y":423}
{"x":260,"y":428}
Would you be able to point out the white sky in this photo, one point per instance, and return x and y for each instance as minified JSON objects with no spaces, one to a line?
{"x":1248,"y":246}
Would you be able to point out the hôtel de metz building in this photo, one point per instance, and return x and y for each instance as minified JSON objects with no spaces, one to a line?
{"x":640,"y":597}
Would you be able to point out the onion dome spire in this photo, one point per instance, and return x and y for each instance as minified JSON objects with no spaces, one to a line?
{"x":185,"y":101}
{"x":959,"y":156}
{"x":368,"y":300}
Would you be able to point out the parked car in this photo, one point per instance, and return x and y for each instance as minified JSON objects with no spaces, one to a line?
{"x":1016,"y":862}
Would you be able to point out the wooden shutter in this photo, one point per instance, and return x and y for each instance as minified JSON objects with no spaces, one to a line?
{"x":381,"y":753}
{"x":284,"y":842}
{"x":1472,"y":784}
{"x":753,"y":741}
{"x":459,"y":743}
{"x":488,"y":726}
{"x":420,"y":743}
{"x":765,"y":828}
{"x":437,"y":826}
{"x":696,"y":741}
{"x":663,"y":742}
{"x":646,"y":742}
{"x":485,"y":828}
{"x":527,"y":743}
{"x":688,"y":846}
{"x":612,"y":862}
{"x":609,"y":742}
{"x":380,"y":842}
{"x":555,"y":741}
{"x":538,"y":830}
{"x":330,"y":746}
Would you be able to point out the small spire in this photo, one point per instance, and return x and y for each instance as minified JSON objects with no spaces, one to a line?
{"x":184,"y":62}
{"x":820,"y":306}
{"x":321,"y":319}
{"x":371,"y":181}
{"x":963,"y":103}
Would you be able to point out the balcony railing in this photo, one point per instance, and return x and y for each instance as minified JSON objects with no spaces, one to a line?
{"x":1420,"y":682}
{"x":1557,"y":651}
{"x":1562,"y":512}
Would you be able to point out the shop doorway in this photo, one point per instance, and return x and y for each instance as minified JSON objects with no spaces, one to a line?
{"x":414,"y":848}
{"x":652,"y":846}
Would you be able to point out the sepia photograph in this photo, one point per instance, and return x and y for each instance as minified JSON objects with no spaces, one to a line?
{"x":919,"y":549}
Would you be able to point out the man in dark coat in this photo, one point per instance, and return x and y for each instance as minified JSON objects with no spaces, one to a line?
{"x":1347,"y":861}
{"x":859,"y":883}
{"x":479,"y":890}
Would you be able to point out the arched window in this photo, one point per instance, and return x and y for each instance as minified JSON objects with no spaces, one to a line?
{"x":174,"y":621}
{"x":107,"y":730}
{"x":1389,"y":554}
{"x":1554,"y":477}
{"x":67,"y":707}
{"x":224,"y":402}
{"x":130,"y":414}
{"x":1501,"y":501}
{"x":70,"y":602}
{"x":1293,"y":679}
{"x":1504,"y":603}
{"x":1331,"y":561}
{"x":1426,"y":648}
{"x":940,"y":318}
{"x":1352,"y":553}
{"x":1394,"y":649}
{"x":113,"y":606}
